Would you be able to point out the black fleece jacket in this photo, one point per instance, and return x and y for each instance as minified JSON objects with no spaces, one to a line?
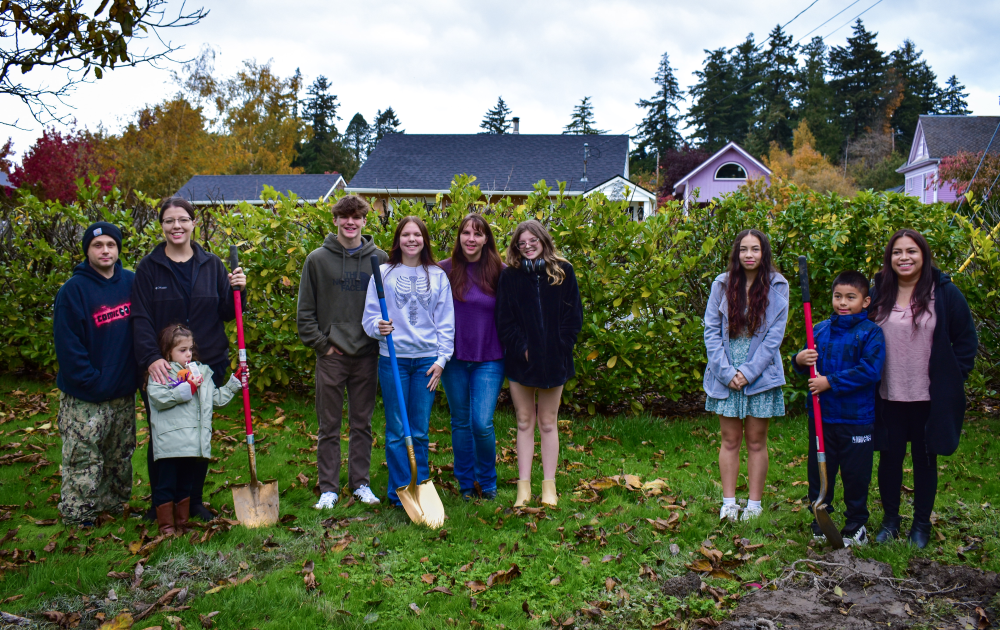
{"x":953,"y":355}
{"x":92,"y":326}
{"x":159,"y":299}
{"x":533,"y":315}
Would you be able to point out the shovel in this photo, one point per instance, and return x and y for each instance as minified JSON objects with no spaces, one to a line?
{"x":421,"y":501}
{"x":256,"y":503}
{"x":826,"y":524}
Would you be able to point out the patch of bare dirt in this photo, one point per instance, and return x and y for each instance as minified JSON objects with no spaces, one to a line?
{"x":840,"y":592}
{"x":682,"y":585}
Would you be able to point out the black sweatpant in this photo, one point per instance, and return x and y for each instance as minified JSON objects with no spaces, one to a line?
{"x":199,"y":466}
{"x":906,"y":422}
{"x":175,"y":479}
{"x":849,"y":450}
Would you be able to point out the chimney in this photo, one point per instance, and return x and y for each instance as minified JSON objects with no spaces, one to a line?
{"x":517,"y":125}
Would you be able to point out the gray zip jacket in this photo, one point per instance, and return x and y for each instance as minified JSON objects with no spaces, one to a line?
{"x":763,"y":368}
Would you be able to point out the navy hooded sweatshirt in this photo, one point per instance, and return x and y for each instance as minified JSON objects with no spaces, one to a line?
{"x":92,"y":322}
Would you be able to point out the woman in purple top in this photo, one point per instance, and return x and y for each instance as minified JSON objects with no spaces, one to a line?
{"x":474,"y":376}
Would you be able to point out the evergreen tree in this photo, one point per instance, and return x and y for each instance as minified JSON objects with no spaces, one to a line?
{"x":658,"y":130}
{"x":748,"y":65}
{"x":358,"y":135}
{"x":920,"y":92}
{"x":814,"y":99}
{"x":496,"y":120}
{"x":774,"y":94}
{"x":711,"y":107}
{"x":385,"y":123}
{"x":953,"y":98}
{"x":859,"y":84}
{"x":582,"y":119}
{"x":324,"y":152}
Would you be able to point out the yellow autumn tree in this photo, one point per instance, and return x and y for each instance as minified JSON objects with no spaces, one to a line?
{"x":164,"y":145}
{"x":806,"y":167}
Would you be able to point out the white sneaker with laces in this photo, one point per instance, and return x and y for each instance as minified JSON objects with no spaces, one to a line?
{"x":729,"y":512}
{"x":750,"y":513}
{"x":859,"y":539}
{"x":326,"y":501}
{"x":366,"y":496}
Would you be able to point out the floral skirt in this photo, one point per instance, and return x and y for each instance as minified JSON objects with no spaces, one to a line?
{"x":766,"y":404}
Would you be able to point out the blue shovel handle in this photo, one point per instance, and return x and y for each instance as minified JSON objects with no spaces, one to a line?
{"x":377,"y":275}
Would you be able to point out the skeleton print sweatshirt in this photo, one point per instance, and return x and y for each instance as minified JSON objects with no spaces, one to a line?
{"x":421,"y":309}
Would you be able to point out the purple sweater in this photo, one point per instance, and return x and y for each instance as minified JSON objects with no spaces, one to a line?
{"x":475,"y":322}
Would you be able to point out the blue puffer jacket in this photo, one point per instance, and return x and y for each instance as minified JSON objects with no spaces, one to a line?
{"x":851,"y":355}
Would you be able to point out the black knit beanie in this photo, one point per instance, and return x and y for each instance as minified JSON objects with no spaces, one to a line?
{"x":102,"y":228}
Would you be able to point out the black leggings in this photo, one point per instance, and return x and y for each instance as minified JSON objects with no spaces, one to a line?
{"x":198,"y":466}
{"x":175,"y":479}
{"x":906,"y":422}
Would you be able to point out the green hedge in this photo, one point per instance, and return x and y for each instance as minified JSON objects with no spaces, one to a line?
{"x":644,"y":285}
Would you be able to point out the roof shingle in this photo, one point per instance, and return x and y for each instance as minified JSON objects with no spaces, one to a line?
{"x":947,"y":135}
{"x":236,"y":188}
{"x":500,"y":162}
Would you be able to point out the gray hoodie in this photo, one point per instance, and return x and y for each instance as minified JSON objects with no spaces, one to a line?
{"x":332,"y":295}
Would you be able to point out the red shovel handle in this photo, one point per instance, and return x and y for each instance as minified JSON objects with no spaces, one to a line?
{"x":811,"y":344}
{"x":234,"y":262}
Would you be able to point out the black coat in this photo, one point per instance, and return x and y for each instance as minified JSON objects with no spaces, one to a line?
{"x":953,"y":354}
{"x":158,"y":300}
{"x":535,"y":316}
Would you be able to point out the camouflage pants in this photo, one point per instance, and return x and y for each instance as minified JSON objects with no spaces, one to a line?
{"x":98,"y":442}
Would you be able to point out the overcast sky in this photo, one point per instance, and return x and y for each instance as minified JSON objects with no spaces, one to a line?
{"x":442,"y":63}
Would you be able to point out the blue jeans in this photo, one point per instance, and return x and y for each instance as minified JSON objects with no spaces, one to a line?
{"x":472,"y":389}
{"x":418,"y":400}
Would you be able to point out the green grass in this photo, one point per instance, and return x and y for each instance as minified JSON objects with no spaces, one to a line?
{"x":581,"y":555}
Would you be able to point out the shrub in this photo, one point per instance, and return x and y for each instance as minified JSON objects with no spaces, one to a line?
{"x":644,"y":285}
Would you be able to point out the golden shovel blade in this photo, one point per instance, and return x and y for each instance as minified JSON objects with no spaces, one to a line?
{"x":422,"y":504}
{"x":256,"y":504}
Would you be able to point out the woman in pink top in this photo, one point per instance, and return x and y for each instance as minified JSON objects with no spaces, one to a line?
{"x":931,"y":344}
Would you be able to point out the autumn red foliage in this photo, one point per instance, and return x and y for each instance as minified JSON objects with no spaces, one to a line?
{"x":675,"y":164}
{"x":960,"y":168}
{"x":52,"y":166}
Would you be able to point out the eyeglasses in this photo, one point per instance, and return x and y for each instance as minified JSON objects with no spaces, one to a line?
{"x":183,"y":222}
{"x":523,"y":244}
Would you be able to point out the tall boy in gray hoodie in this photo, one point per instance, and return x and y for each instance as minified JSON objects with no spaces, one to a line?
{"x":332,"y":295}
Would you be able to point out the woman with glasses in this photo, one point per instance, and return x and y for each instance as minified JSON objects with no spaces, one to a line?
{"x":180,"y":283}
{"x":539,"y":315}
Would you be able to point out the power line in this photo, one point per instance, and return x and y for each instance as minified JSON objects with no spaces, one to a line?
{"x":828,"y":21}
{"x":854,"y":18}
{"x":981,"y":160}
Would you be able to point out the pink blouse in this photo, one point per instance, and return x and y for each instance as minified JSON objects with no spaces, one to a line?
{"x":906,"y":375}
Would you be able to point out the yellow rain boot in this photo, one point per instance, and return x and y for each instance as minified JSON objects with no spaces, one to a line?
{"x":549,"y":495}
{"x":523,"y":492}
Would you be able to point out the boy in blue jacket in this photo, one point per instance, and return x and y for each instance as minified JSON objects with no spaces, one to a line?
{"x":849,"y":354}
{"x":98,"y":376}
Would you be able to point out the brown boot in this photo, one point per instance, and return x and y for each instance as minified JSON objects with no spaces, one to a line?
{"x":182,"y":511}
{"x":165,"y":518}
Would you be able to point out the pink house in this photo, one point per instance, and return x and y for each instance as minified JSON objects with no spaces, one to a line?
{"x":724,"y":172}
{"x":939,"y":137}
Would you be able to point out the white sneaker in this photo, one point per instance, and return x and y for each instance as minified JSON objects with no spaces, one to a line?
{"x":750,"y":513}
{"x":729,"y":512}
{"x":366,"y":496}
{"x":326,"y":501}
{"x":859,"y":539}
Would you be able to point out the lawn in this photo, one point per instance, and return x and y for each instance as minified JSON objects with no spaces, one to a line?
{"x":639,"y":501}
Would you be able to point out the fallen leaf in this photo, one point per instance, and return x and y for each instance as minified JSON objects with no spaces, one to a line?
{"x":302,"y":479}
{"x":63,"y":620}
{"x":555,"y":581}
{"x":476,"y":586}
{"x":206,"y":620}
{"x":415,"y":609}
{"x":503,"y":577}
{"x":708,"y":621}
{"x":609,"y":584}
{"x":428,"y":578}
{"x":123,"y":621}
{"x":439,"y":589}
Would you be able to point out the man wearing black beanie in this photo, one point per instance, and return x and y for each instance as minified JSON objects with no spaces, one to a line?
{"x":97,"y":378}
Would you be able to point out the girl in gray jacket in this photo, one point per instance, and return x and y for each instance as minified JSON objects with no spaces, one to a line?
{"x":180,"y":416}
{"x":744,"y":325}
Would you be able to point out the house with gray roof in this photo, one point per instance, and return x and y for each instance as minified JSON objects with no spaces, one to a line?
{"x":422,"y":166}
{"x":228,"y":190}
{"x":938,"y":137}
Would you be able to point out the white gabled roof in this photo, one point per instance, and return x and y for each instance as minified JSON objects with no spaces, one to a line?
{"x":731,"y":145}
{"x":635,"y":189}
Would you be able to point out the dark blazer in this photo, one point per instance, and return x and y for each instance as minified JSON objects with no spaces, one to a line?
{"x":535,"y":316}
{"x":158,"y":300}
{"x":953,"y":354}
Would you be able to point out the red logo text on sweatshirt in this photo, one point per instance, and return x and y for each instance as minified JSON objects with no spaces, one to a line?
{"x":108,"y":314}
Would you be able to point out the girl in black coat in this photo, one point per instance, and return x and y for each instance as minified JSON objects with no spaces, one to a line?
{"x":180,"y":283}
{"x":930,"y":349}
{"x":539,"y":315}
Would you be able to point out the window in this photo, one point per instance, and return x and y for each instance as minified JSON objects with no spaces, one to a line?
{"x":731,"y":170}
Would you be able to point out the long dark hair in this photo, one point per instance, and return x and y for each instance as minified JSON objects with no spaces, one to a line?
{"x":550,"y":254}
{"x":489,"y":261}
{"x":887,"y":284}
{"x":426,"y":255}
{"x":748,"y":314}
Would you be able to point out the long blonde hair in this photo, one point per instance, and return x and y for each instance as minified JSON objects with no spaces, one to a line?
{"x":549,"y":253}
